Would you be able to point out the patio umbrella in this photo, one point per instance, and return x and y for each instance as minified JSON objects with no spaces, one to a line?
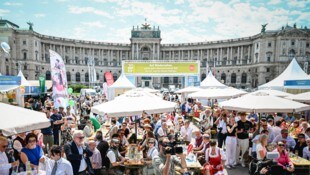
{"x":273,"y":92}
{"x":188,"y":89}
{"x":134,"y":103}
{"x":217,"y":93}
{"x":262,"y":102}
{"x":303,"y":97}
{"x":16,"y":120}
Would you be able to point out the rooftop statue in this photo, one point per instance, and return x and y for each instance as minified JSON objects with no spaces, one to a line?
{"x":264,"y":28}
{"x":30,"y":25}
{"x":146,"y":26}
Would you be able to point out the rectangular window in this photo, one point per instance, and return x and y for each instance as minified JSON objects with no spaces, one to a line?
{"x":24,"y":42}
{"x":268,"y":70}
{"x":293,"y":43}
{"x":307,"y":45}
{"x":25,"y":67}
{"x":269,"y":44}
{"x":35,"y":43}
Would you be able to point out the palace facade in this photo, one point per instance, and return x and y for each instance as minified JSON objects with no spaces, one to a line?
{"x":242,"y":62}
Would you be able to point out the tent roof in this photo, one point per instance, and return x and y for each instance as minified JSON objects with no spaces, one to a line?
{"x":211,"y":82}
{"x":122,"y":82}
{"x":292,"y":72}
{"x":24,"y":82}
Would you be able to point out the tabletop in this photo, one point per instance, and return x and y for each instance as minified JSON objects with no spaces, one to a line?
{"x":299,"y":161}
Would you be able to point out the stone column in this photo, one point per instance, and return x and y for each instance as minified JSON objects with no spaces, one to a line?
{"x":137,"y":47}
{"x":241,"y":55}
{"x":43,"y":51}
{"x":217,"y":55}
{"x":153,"y":51}
{"x":231,"y":55}
{"x":238,"y":55}
{"x":249,"y":54}
{"x":132,"y":51}
{"x":221,"y":56}
{"x":158,"y":51}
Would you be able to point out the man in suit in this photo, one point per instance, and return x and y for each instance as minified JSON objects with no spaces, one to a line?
{"x":78,"y":155}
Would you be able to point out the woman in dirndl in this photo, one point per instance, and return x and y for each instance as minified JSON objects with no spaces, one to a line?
{"x":215,"y":159}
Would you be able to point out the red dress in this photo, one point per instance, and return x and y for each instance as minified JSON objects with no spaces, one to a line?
{"x":213,"y":163}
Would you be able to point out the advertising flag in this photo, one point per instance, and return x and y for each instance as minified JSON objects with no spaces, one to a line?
{"x":42,"y":84}
{"x":59,"y":79}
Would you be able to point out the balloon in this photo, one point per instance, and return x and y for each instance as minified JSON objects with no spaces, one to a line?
{"x":70,"y":90}
{"x":71,"y":103}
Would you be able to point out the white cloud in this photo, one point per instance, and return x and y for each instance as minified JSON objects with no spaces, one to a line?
{"x":79,"y":33}
{"x":274,"y":2}
{"x":39,"y":15}
{"x":179,"y":2}
{"x":96,"y":24}
{"x":154,"y":13}
{"x":298,"y":3}
{"x":181,"y":35}
{"x":81,"y":10}
{"x":62,"y":0}
{"x":3,"y":12}
{"x":13,"y":3}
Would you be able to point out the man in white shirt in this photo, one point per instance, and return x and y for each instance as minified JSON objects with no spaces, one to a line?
{"x":4,"y":163}
{"x":115,"y":157}
{"x":163,"y":130}
{"x":186,"y":132}
{"x":57,"y":165}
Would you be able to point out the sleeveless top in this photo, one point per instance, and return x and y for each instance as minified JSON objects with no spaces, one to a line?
{"x":16,"y":153}
{"x":33,"y":155}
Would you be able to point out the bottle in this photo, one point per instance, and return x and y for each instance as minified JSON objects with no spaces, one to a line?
{"x":28,"y":168}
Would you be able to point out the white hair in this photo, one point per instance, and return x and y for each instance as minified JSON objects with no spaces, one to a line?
{"x":76,"y":133}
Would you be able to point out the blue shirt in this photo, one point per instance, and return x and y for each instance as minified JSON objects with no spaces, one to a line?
{"x":253,"y":116}
{"x":33,"y":155}
{"x":290,"y":119}
{"x":48,"y":130}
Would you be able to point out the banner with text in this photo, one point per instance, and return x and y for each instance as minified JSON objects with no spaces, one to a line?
{"x":161,"y":68}
{"x":59,"y":79}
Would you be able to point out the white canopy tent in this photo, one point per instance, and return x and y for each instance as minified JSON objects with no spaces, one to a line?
{"x":262,"y":102}
{"x":292,"y":72}
{"x":17,"y":120}
{"x":121,"y":85}
{"x":188,"y":89}
{"x":211,"y":82}
{"x":272,"y":92}
{"x":303,"y":97}
{"x":134,"y":103}
{"x":24,"y":82}
{"x":217,"y":93}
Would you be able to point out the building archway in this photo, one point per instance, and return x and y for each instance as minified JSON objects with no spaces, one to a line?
{"x":223,"y":78}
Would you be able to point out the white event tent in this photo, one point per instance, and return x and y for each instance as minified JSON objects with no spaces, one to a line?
{"x":211,"y":82}
{"x":303,"y":97}
{"x":292,"y":72}
{"x":272,"y":92}
{"x":121,"y":85}
{"x":20,"y":120}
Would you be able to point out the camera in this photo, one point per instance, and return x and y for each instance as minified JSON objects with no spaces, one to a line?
{"x":172,"y":149}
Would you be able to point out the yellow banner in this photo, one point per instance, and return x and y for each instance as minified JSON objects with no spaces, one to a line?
{"x":161,"y":68}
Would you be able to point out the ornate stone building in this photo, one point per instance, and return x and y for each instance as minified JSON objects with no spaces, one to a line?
{"x":243,"y":62}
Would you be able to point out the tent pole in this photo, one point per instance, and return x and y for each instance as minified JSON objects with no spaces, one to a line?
{"x":136,"y":132}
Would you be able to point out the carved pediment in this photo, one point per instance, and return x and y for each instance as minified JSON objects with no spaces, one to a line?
{"x":294,"y":33}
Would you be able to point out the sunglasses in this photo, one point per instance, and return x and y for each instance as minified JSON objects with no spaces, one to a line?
{"x":81,"y":138}
{"x":281,"y":145}
{"x":151,"y":142}
{"x":31,"y":141}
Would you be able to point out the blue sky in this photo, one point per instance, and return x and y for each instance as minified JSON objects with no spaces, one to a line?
{"x":179,"y":20}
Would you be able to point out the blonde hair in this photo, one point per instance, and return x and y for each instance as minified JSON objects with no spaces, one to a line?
{"x":262,"y":138}
{"x":3,"y":139}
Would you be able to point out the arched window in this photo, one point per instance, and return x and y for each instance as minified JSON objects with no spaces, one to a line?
{"x":48,"y":75}
{"x":115,"y":76}
{"x":203,"y":76}
{"x":223,"y":77}
{"x":243,"y":78}
{"x":86,"y":77}
{"x":233,"y":78}
{"x":97,"y":76}
{"x":291,"y":53}
{"x":25,"y":55}
{"x":68,"y":76}
{"x":86,"y":60}
{"x":77,"y":77}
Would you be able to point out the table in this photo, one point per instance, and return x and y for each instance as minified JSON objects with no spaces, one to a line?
{"x":194,"y":166}
{"x":34,"y":172}
{"x":302,"y":166}
{"x":136,"y":166}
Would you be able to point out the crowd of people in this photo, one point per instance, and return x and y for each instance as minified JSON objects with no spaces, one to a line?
{"x":76,"y":144}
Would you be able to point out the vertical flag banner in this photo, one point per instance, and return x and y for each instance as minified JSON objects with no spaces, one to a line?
{"x":42,"y":84}
{"x":59,"y":79}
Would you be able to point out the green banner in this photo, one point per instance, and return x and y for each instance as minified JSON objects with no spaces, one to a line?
{"x":161,"y":68}
{"x":42,"y":83}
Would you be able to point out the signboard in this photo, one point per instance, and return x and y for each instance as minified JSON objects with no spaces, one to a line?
{"x":10,"y":80}
{"x":161,"y":68}
{"x":300,"y":84}
{"x":109,"y":78}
